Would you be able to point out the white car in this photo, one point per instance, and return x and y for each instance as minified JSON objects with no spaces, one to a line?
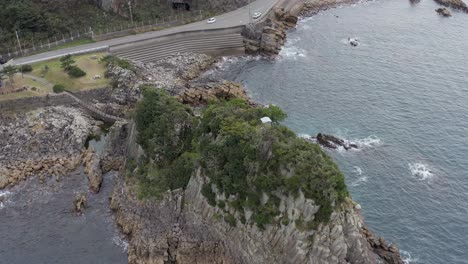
{"x":211,"y":20}
{"x":256,"y":15}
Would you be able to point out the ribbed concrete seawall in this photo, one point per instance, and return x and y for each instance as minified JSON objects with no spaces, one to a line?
{"x":226,"y":41}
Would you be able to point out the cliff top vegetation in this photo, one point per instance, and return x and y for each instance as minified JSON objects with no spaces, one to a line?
{"x":250,"y":165}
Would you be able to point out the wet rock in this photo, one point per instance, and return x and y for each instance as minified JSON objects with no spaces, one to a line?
{"x":80,"y":203}
{"x":455,"y":4}
{"x":333,"y":142}
{"x":388,"y":253}
{"x":312,"y":7}
{"x":443,"y":11}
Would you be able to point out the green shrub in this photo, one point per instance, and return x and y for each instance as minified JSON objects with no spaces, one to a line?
{"x":26,"y":68}
{"x":75,"y":72}
{"x":246,"y":161}
{"x":209,"y":194}
{"x":230,"y":219}
{"x":58,"y":88}
{"x":116,"y":61}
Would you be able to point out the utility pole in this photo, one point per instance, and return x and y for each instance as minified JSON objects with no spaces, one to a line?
{"x":250,"y":13}
{"x":19,"y":43}
{"x":130,"y":9}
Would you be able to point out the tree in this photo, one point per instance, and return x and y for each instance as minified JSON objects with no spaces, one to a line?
{"x":67,"y":62}
{"x":2,"y":77}
{"x":10,"y":71}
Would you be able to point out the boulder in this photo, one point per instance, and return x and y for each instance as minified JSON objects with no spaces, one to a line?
{"x":443,"y":11}
{"x":80,"y":202}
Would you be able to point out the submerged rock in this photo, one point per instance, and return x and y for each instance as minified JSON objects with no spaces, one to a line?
{"x":443,"y":11}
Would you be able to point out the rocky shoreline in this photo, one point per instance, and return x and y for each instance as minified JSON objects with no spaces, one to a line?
{"x":181,"y":227}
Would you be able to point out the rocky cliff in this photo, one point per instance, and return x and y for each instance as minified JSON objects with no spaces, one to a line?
{"x":184,"y":228}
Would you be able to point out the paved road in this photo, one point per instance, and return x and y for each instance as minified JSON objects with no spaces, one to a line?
{"x":235,"y":18}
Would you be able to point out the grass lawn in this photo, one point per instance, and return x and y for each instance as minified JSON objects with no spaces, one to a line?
{"x":56,"y":75}
{"x":35,"y":88}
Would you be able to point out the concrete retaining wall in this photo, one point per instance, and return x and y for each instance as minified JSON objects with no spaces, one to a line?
{"x":31,"y":103}
{"x":176,"y":36}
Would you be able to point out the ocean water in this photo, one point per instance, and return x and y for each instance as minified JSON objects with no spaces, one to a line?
{"x":402,"y":95}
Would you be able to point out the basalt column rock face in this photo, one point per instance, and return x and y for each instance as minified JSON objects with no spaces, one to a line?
{"x":183,"y":228}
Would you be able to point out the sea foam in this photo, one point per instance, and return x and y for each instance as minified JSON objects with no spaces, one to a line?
{"x":4,"y":195}
{"x":361,"y":178}
{"x":421,"y":171}
{"x":407,"y":257}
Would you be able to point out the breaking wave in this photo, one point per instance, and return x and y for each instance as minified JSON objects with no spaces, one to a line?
{"x":292,"y":52}
{"x":4,"y":195}
{"x":361,"y":178}
{"x":368,"y":142}
{"x":421,"y":171}
{"x":121,"y":242}
{"x":407,"y":258}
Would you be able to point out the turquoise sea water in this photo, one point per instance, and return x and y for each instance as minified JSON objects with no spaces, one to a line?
{"x":402,"y":95}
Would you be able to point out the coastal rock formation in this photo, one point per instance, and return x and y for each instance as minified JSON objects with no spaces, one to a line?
{"x":200,"y":94}
{"x":114,"y":151}
{"x":333,"y":142}
{"x":184,"y":228}
{"x":92,"y":168}
{"x":272,"y":35}
{"x":455,"y":4}
{"x":44,"y":142}
{"x":443,"y":11}
{"x":80,"y":202}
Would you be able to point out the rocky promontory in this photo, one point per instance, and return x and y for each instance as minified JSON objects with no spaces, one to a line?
{"x":45,"y":142}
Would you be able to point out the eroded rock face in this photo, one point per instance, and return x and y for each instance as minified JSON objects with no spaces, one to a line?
{"x":44,"y":142}
{"x":272,"y":35}
{"x":200,"y":94}
{"x":159,"y":232}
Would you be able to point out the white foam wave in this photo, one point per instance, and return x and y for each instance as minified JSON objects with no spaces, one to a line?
{"x":407,"y":257}
{"x":368,"y":142}
{"x":361,"y":178}
{"x":291,"y":52}
{"x":121,"y":242}
{"x":4,"y":195}
{"x":421,"y":171}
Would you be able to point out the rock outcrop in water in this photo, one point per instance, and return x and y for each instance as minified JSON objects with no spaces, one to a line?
{"x":455,"y":4}
{"x":333,"y":142}
{"x":271,"y":36}
{"x":443,"y":11}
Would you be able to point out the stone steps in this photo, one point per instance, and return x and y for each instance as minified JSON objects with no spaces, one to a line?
{"x":198,"y":44}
